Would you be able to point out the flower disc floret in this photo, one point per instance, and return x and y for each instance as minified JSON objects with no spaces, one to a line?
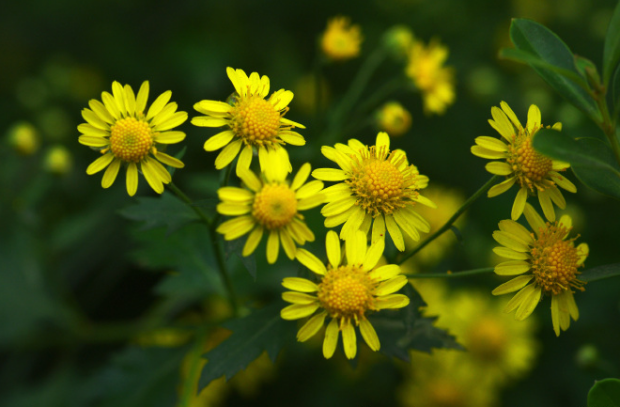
{"x":126,"y":134}
{"x":378,"y":189}
{"x":253,"y":121}
{"x":347,"y":293}
{"x":546,"y":263}
{"x":534,"y":173}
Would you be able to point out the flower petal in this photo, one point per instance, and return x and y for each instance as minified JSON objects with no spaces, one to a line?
{"x":385,"y":272}
{"x":501,"y":187}
{"x":392,"y":301}
{"x":159,"y":104}
{"x":391,"y":286}
{"x":546,"y":205}
{"x":132,"y":179}
{"x":311,"y":261}
{"x":298,"y":311}
{"x":273,"y":247}
{"x":498,"y":168}
{"x":311,"y":327}
{"x":512,"y":268}
{"x":332,"y":246}
{"x":100,"y":163}
{"x":529,"y":303}
{"x":349,"y":340}
{"x":228,"y":154}
{"x":300,"y":284}
{"x":370,"y":335}
{"x":331,"y":339}
{"x":329,"y":174}
{"x":252,"y":242}
{"x":110,"y":173}
{"x":513,"y":285}
{"x":395,"y":233}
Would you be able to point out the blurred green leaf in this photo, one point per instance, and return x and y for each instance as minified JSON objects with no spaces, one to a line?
{"x":611,"y":52}
{"x":601,"y":272}
{"x":591,"y":160}
{"x":615,"y":89}
{"x":141,"y":377}
{"x":519,"y":55}
{"x":605,"y":393}
{"x":263,"y":330}
{"x":406,"y":329}
{"x":236,"y":247}
{"x":166,"y":210}
{"x":538,"y":40}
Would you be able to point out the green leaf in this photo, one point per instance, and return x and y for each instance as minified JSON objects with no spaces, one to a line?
{"x":601,"y":272}
{"x":405,"y":329}
{"x":519,"y":55}
{"x":605,"y":393}
{"x":615,"y":89}
{"x":236,"y":247}
{"x":166,"y":210}
{"x":538,"y":40}
{"x":141,"y":377}
{"x":263,"y":330}
{"x":611,"y":52}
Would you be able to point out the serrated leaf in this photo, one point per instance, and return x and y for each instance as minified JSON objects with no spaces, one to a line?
{"x":605,"y":393}
{"x":538,"y":40}
{"x":601,"y":272}
{"x":166,"y":210}
{"x":263,"y":330}
{"x":406,"y":329}
{"x":187,"y":256}
{"x":236,"y":247}
{"x":141,"y":377}
{"x":611,"y":52}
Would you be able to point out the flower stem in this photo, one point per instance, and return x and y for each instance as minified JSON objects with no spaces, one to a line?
{"x":190,"y":383}
{"x":181,"y":195}
{"x":455,"y":274}
{"x":453,"y":219}
{"x":608,"y":124}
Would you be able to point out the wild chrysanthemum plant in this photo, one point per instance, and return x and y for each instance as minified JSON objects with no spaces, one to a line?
{"x":253,"y":120}
{"x":126,"y":134}
{"x":346,"y":293}
{"x":341,"y":40}
{"x":534,"y":173}
{"x":270,"y":204}
{"x":435,"y":81}
{"x":546,"y":263}
{"x":378,"y":188}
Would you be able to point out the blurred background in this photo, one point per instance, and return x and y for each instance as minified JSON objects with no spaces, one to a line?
{"x":68,"y":256}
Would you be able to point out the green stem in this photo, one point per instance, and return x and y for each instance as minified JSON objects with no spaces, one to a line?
{"x":608,"y":125}
{"x":189,"y":203}
{"x":189,"y":384}
{"x":451,"y":274}
{"x":453,"y":219}
{"x":382,"y":93}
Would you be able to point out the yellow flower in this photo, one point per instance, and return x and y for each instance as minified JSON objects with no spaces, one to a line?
{"x":346,"y":293}
{"x":341,"y":40}
{"x":125,"y":134}
{"x":435,"y":81}
{"x":271,"y":204}
{"x":253,"y":122}
{"x":535,"y":173}
{"x":545,"y":262}
{"x":394,"y":118}
{"x":24,"y":138}
{"x":58,"y":160}
{"x":379,"y":187}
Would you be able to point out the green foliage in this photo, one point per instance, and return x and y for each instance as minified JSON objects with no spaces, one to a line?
{"x":611,"y":52}
{"x":605,"y":393}
{"x":406,"y":329}
{"x":540,"y":47}
{"x":262,"y":330}
{"x":601,"y":272}
{"x":592,"y":160}
{"x":166,"y":210}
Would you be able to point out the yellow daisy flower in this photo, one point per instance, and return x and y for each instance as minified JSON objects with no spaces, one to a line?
{"x":341,"y":40}
{"x":125,"y":134}
{"x":545,"y":262}
{"x":535,"y":173}
{"x":270,"y":204}
{"x":346,"y":293}
{"x":435,"y":81}
{"x":253,"y":122}
{"x":379,"y":187}
{"x":393,"y":118}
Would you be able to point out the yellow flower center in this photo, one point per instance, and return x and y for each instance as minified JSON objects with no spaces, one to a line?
{"x":554,"y":260}
{"x":274,"y":206}
{"x":131,"y":139}
{"x":529,"y":166}
{"x":487,"y":339}
{"x":378,"y":184}
{"x":256,"y":121}
{"x":346,"y":292}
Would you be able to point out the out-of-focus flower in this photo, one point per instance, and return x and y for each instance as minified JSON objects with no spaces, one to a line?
{"x":536,"y":174}
{"x":253,"y":122}
{"x":24,"y":138}
{"x":545,"y":262}
{"x":377,"y":187}
{"x":346,"y":293}
{"x":271,"y":205}
{"x":58,"y":160}
{"x":393,"y":118}
{"x":341,"y":40}
{"x":435,"y":81}
{"x":398,"y":40}
{"x":126,"y":134}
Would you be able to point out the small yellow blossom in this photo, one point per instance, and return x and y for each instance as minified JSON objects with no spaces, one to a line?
{"x":535,"y":174}
{"x":346,"y":293}
{"x":58,"y":160}
{"x":24,"y":138}
{"x":545,"y":262}
{"x":341,"y":40}
{"x":430,"y":76}
{"x":393,"y":118}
